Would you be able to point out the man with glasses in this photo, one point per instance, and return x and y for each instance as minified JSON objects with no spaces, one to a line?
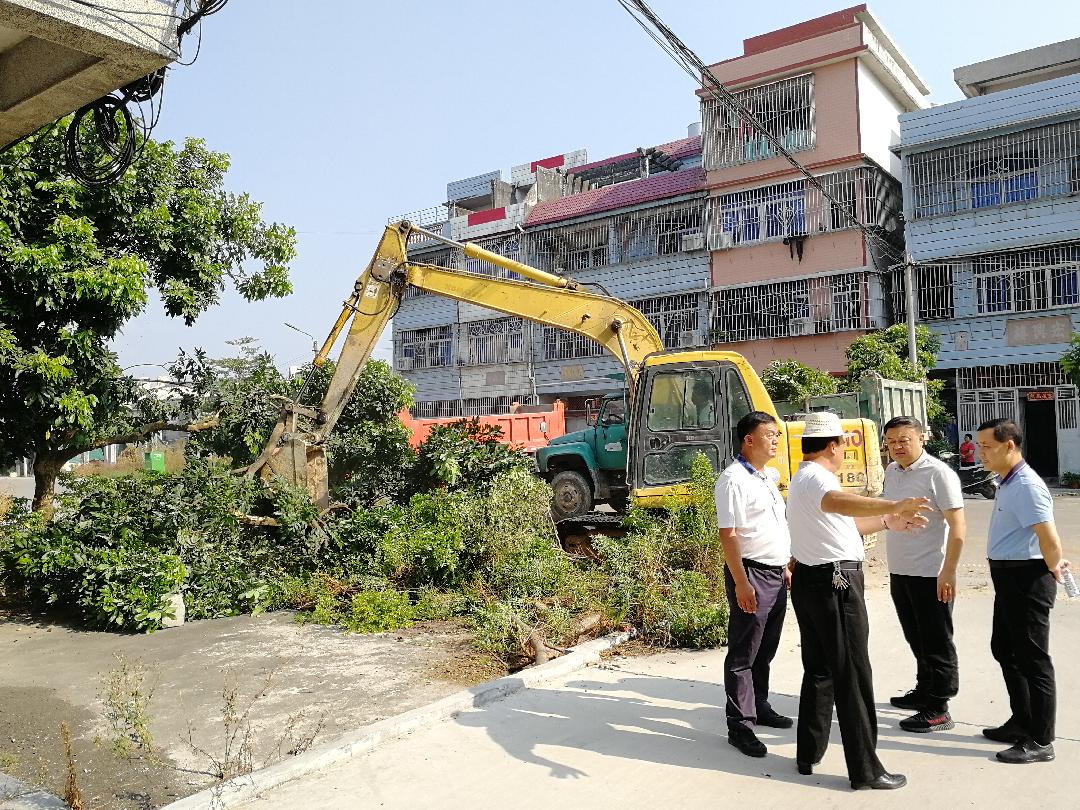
{"x":757,"y":548}
{"x":922,"y":572}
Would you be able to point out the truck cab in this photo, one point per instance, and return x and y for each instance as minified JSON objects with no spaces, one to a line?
{"x":588,"y":467}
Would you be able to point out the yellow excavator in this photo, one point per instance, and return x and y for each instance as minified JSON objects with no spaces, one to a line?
{"x":680,"y":403}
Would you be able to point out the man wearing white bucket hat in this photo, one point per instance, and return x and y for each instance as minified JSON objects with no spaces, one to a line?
{"x":827,"y":525}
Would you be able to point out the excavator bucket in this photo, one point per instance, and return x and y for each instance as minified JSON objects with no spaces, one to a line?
{"x":302,"y":465}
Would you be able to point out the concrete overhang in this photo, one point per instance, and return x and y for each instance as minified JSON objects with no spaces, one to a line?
{"x":1019,"y":69}
{"x":57,"y":55}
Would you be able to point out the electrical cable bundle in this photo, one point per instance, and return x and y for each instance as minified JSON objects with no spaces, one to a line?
{"x":102,"y":140}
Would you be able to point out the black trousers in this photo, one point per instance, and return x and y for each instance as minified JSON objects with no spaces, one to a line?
{"x":1020,"y":642}
{"x":752,"y":642}
{"x":928,"y":627}
{"x":836,"y":670}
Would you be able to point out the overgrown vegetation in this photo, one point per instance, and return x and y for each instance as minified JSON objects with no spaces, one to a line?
{"x":126,"y":696}
{"x":474,"y":541}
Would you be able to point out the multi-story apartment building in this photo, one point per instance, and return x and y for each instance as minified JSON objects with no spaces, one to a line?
{"x":791,"y":274}
{"x":632,"y":224}
{"x":717,"y":240}
{"x":992,"y":204}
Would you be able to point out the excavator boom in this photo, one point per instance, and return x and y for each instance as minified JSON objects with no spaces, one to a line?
{"x":295,"y":450}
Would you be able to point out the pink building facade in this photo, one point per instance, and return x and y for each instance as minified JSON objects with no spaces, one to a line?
{"x":792,"y":276}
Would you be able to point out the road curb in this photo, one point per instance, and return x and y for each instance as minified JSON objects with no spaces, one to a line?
{"x":251,"y":786}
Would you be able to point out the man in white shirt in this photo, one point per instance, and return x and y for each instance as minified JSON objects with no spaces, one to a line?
{"x":922,"y":573}
{"x":757,"y":548}
{"x":827,"y":594}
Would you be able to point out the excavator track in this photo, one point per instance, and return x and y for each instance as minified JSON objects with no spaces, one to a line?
{"x":576,"y":533}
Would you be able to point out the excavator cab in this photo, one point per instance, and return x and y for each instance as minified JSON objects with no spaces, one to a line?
{"x":687,"y":403}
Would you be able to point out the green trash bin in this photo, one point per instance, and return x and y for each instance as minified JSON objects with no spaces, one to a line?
{"x":154,"y":462}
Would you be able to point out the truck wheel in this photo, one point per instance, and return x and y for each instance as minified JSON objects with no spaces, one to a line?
{"x":988,"y":491}
{"x":573,"y":495}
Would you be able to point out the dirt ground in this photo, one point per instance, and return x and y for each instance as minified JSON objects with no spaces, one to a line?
{"x":295,"y":685}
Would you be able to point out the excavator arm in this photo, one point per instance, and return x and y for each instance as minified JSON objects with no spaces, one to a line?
{"x":295,"y":449}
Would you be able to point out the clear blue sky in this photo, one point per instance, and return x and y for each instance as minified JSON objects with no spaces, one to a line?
{"x":339,"y":114}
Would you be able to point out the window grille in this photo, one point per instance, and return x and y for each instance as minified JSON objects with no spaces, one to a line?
{"x":785,"y":108}
{"x":479,"y":406}
{"x":562,"y":345}
{"x":1016,"y":375}
{"x":797,"y":208}
{"x":630,"y":237}
{"x":499,"y":340}
{"x":425,"y":348}
{"x":675,"y":318}
{"x":934,"y":285}
{"x":793,"y":308}
{"x":1027,"y":280}
{"x":439,"y":258}
{"x":505,"y":245}
{"x":1000,"y":170}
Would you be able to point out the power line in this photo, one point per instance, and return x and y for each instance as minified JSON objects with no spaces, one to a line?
{"x":692,"y":64}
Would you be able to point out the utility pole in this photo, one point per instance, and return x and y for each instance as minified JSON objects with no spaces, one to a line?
{"x":912,"y":309}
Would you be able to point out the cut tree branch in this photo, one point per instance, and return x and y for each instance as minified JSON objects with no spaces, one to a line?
{"x":143,"y":433}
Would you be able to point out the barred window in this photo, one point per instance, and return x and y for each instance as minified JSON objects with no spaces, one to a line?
{"x":619,"y":239}
{"x":425,"y":348}
{"x":499,"y":340}
{"x":1027,"y":280}
{"x":792,"y":308}
{"x":1000,"y":170}
{"x":933,"y":287}
{"x":562,"y":345}
{"x":475,"y":406}
{"x":675,"y":318}
{"x":796,"y":208}
{"x":785,"y":109}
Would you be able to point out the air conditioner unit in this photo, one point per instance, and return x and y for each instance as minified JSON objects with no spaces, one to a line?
{"x":692,"y":241}
{"x":724,"y":240}
{"x":404,"y":364}
{"x":687,"y":339}
{"x":801,"y":326}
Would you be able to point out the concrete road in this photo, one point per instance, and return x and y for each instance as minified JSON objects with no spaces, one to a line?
{"x":18,"y":487}
{"x":649,"y":732}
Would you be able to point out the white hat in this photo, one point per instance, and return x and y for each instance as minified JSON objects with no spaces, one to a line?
{"x":821,"y":424}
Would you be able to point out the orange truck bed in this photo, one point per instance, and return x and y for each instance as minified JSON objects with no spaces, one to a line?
{"x":526,"y":426}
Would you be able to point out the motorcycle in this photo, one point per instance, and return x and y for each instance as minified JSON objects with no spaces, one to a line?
{"x":974,"y":478}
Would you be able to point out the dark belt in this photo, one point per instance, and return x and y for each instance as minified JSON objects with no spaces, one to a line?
{"x":845,"y":565}
{"x":748,"y":563}
{"x":1016,"y":563}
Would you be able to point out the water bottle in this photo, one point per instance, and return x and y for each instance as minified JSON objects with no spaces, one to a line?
{"x":1072,"y":590}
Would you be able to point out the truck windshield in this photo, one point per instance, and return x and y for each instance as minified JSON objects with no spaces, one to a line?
{"x":682,"y":400}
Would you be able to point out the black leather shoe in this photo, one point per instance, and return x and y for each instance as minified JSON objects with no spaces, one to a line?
{"x":1007,"y":733}
{"x":747,"y":742}
{"x":773,"y":719}
{"x":913,"y":700}
{"x":1027,"y":751}
{"x":887,"y":781}
{"x":805,"y":768}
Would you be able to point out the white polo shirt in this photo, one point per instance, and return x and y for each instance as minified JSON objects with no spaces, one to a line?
{"x":921,"y":552}
{"x":819,"y":537}
{"x":753,"y":506}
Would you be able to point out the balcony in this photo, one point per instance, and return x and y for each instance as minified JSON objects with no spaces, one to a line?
{"x":56,"y":56}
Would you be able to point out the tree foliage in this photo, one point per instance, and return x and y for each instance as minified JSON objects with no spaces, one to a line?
{"x":792,"y":381}
{"x":886,"y":353}
{"x":77,"y":263}
{"x":1070,"y":361}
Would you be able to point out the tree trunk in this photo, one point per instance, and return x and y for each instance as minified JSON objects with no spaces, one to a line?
{"x":47,"y":467}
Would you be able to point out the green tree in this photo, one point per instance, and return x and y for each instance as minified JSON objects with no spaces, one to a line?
{"x":237,"y":398}
{"x":792,"y":381}
{"x":886,"y":352}
{"x":77,"y":263}
{"x":1070,"y":361}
